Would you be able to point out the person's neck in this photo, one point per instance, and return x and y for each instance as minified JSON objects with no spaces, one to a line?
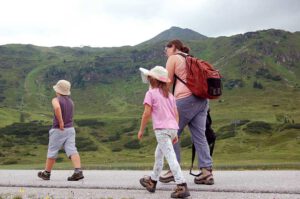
{"x":177,"y":51}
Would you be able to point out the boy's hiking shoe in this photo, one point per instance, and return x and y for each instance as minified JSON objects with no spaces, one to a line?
{"x":76,"y":176}
{"x":208,"y":180}
{"x":167,"y":177}
{"x":181,"y":191}
{"x":44,"y":175}
{"x":148,"y":183}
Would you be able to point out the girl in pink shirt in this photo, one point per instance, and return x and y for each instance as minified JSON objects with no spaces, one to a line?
{"x":161,"y":105}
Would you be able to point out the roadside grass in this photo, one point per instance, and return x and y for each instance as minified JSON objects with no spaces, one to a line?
{"x":104,"y":129}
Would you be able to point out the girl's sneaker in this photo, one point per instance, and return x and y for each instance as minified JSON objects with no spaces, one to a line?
{"x":181,"y":191}
{"x":148,"y":183}
{"x":44,"y":175}
{"x":167,"y":177}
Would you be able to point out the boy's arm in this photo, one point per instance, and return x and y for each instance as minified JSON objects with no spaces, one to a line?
{"x":58,"y":114}
{"x":145,"y":119}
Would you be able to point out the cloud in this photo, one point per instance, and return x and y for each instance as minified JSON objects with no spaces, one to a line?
{"x":120,"y":22}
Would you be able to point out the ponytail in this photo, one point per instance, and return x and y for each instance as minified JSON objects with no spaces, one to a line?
{"x":185,"y":49}
{"x":179,"y":45}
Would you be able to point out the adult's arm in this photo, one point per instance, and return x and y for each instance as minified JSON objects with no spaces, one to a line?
{"x":170,"y":66}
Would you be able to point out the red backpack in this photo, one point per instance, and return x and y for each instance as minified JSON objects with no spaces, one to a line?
{"x":202,"y":79}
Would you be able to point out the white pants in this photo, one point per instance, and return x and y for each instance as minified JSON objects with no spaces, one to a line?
{"x":165,"y":149}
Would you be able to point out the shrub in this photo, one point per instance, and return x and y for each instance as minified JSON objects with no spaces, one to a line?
{"x":8,"y":162}
{"x":226,"y":134}
{"x":32,"y":132}
{"x":28,"y":154}
{"x":257,"y":85}
{"x":292,"y":126}
{"x":89,"y":122}
{"x":230,"y":127}
{"x":284,"y":118}
{"x":114,"y":137}
{"x":258,"y":127}
{"x":7,"y":144}
{"x":85,"y":144}
{"x":229,"y":131}
{"x":265,"y":73}
{"x":2,"y":89}
{"x":133,"y":144}
{"x":234,"y":83}
{"x":105,"y":140}
{"x":133,"y":127}
{"x":116,"y":149}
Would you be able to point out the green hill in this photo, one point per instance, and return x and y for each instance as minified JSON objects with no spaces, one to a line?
{"x":257,"y":119}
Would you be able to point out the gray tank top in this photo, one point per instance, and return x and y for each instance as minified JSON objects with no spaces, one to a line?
{"x":67,"y":106}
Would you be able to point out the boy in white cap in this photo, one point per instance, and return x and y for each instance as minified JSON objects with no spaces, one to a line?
{"x":62,"y":133}
{"x":160,"y":104}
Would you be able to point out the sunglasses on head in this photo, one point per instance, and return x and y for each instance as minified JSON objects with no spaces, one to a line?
{"x":168,"y":46}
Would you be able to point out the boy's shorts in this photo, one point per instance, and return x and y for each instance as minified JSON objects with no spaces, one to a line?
{"x":59,"y":139}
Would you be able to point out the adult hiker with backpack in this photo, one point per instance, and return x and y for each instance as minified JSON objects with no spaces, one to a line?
{"x":194,"y":82}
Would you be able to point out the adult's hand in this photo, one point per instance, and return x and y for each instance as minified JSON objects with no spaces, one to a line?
{"x":175,"y":140}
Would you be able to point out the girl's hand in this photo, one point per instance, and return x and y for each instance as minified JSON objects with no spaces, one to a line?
{"x":140,"y":135}
{"x":175,"y":140}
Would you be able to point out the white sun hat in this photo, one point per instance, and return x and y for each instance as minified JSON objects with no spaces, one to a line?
{"x":158,"y":72}
{"x":63,"y":87}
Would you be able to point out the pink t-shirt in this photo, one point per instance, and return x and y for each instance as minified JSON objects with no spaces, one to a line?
{"x":163,"y":109}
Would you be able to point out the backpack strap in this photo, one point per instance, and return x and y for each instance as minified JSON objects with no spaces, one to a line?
{"x":176,"y":77}
{"x":175,"y":80}
{"x":185,"y":56}
{"x":180,"y":79}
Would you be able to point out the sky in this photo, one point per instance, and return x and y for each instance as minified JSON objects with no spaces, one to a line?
{"x":108,"y":23}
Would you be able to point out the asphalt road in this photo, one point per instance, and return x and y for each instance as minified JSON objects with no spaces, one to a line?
{"x":125,"y":184}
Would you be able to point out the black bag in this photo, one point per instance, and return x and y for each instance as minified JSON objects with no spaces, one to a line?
{"x":211,"y":139}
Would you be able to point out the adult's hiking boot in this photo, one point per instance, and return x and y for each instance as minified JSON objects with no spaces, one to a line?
{"x":44,"y":175}
{"x":181,"y":191}
{"x":148,"y":183}
{"x":167,"y":177}
{"x":76,"y":176}
{"x":207,"y":180}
